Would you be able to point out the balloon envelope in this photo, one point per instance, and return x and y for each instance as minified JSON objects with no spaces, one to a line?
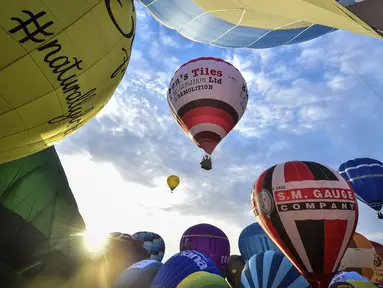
{"x":40,"y":225}
{"x":378,"y":273}
{"x":173,"y":182}
{"x":234,"y":269}
{"x":209,"y":240}
{"x":360,"y":256}
{"x":207,"y":97}
{"x":203,"y":280}
{"x":271,"y":269}
{"x":254,"y":240}
{"x":140,"y":274}
{"x":55,"y":79}
{"x":365,"y":175}
{"x":310,"y":211}
{"x":181,"y":265}
{"x":153,"y":243}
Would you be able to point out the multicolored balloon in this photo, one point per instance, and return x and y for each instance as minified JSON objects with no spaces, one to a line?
{"x":140,"y":274}
{"x":310,"y":212}
{"x":207,"y":97}
{"x":203,"y":280}
{"x":209,"y":240}
{"x":153,"y":243}
{"x":173,"y":182}
{"x":234,"y":269}
{"x":254,"y":240}
{"x":378,"y":273}
{"x":360,"y":257}
{"x":271,"y":269}
{"x":181,"y":265}
{"x":365,"y":175}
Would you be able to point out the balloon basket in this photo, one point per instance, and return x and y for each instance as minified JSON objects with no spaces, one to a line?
{"x":206,"y":163}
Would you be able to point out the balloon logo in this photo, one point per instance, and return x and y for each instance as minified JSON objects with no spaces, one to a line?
{"x":58,"y":68}
{"x":310,"y":212}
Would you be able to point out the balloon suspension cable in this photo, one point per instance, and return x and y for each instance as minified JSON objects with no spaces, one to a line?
{"x":356,"y":71}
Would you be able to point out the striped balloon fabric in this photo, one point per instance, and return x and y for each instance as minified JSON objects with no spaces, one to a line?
{"x":207,"y":97}
{"x":271,"y":269}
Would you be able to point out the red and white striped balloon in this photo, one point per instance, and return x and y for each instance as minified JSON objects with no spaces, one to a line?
{"x":207,"y":97}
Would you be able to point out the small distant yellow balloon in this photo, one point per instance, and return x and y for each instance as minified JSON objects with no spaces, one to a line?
{"x":60,"y":62}
{"x":173,"y":182}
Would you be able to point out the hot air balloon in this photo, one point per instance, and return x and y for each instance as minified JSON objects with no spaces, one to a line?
{"x":153,"y":243}
{"x":271,"y":269}
{"x":209,"y":240}
{"x":60,"y":62}
{"x":203,"y":280}
{"x":140,"y":274}
{"x":234,"y":269}
{"x":360,"y":257}
{"x":121,"y":251}
{"x":40,"y":225}
{"x":378,"y":273}
{"x":347,"y":276}
{"x":352,"y":284}
{"x":207,"y":97}
{"x":254,"y":240}
{"x":310,"y":212}
{"x":181,"y":265}
{"x":264,"y":24}
{"x":173,"y":182}
{"x":365,"y":175}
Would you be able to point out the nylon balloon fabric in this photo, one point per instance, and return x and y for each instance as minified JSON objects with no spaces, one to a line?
{"x":203,"y":280}
{"x":254,"y":240}
{"x":140,"y":274}
{"x":207,"y":97}
{"x":60,"y":63}
{"x":153,"y":243}
{"x":209,"y":240}
{"x":360,"y":257}
{"x":40,"y":225}
{"x":271,"y":269}
{"x":234,"y":269}
{"x":365,"y":175}
{"x":181,"y":265}
{"x":310,"y":211}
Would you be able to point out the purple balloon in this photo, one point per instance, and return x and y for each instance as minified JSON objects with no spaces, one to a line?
{"x":208,"y":240}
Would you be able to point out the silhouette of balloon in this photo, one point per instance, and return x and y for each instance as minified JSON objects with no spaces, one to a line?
{"x":234,"y":269}
{"x":140,"y":274}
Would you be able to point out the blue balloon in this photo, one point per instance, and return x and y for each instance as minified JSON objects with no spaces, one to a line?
{"x":365,"y":175}
{"x":181,"y":265}
{"x":254,"y":240}
{"x":273,"y":270}
{"x":193,"y":22}
{"x":140,"y":274}
{"x":153,"y":243}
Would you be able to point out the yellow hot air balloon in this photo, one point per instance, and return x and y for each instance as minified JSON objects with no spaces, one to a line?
{"x":173,"y":182}
{"x":60,"y":62}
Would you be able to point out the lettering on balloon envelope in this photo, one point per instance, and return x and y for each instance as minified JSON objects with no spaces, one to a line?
{"x":40,"y":29}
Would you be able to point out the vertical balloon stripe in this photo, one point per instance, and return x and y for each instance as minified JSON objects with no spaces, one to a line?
{"x":337,"y":230}
{"x":291,"y":172}
{"x":259,"y":268}
{"x":276,"y":274}
{"x":321,"y":172}
{"x":312,"y":234}
{"x":276,"y":223}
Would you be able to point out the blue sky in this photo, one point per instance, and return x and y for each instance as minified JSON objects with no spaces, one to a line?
{"x":305,"y":103}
